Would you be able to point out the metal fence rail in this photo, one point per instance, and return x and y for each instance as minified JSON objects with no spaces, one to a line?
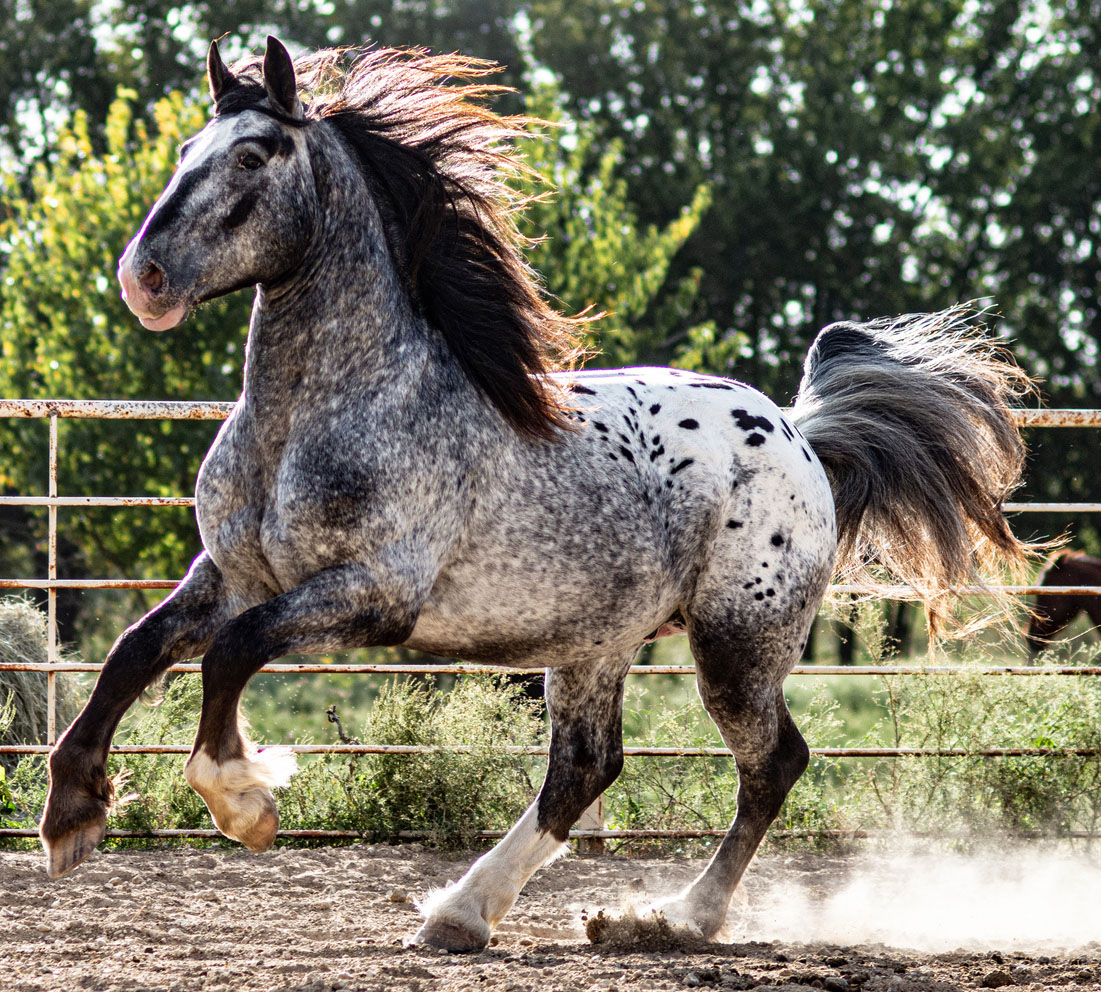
{"x":54,"y":410}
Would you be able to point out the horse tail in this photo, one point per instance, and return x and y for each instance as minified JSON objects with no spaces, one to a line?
{"x":911,"y":418}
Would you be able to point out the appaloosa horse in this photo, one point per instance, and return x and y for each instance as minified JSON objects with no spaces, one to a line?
{"x":403,"y":467}
{"x":1051,"y":612}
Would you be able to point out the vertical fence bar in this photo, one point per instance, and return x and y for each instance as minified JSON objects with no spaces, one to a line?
{"x":51,"y":593}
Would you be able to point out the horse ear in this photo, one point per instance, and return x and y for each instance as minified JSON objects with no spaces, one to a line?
{"x":218,"y":77}
{"x":279,"y":80}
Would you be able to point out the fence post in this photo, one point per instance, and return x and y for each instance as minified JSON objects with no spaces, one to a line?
{"x":51,"y":592}
{"x":592,"y":819}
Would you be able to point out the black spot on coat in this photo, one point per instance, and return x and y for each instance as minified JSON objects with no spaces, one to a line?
{"x":747,"y":422}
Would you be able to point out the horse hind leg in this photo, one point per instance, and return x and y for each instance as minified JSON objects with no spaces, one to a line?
{"x":740,"y":675}
{"x":586,"y":756}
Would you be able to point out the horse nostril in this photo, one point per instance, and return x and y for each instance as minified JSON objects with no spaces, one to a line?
{"x":151,"y":279}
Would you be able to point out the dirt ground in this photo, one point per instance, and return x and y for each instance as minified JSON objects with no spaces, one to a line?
{"x":330,"y":919}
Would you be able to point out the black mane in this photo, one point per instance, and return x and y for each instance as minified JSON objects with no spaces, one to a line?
{"x":441,"y":163}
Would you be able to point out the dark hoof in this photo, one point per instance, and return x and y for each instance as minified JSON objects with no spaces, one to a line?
{"x":65,"y":852}
{"x":451,"y":937}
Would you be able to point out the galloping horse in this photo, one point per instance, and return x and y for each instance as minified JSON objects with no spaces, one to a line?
{"x":1051,"y":613}
{"x":404,"y":466}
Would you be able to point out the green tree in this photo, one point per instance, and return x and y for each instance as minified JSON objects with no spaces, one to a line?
{"x":59,"y":56}
{"x":593,"y":253}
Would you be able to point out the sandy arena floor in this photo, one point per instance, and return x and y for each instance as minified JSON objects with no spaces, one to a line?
{"x":335,"y":918}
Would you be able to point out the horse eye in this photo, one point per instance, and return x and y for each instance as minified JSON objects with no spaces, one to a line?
{"x":250,"y":160}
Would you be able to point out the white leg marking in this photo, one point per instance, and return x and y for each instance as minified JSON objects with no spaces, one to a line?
{"x":482,"y":897}
{"x":238,"y":792}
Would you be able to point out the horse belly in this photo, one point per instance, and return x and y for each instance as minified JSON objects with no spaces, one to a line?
{"x":514,"y":616}
{"x":549,"y":593}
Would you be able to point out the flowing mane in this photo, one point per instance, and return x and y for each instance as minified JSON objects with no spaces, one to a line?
{"x":441,"y":164}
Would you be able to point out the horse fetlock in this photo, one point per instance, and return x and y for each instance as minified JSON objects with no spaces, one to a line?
{"x":238,"y":796}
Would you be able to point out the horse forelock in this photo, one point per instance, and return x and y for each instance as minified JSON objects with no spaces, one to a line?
{"x":442,"y":164}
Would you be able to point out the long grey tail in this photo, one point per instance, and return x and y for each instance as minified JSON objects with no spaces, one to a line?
{"x":911,"y":418}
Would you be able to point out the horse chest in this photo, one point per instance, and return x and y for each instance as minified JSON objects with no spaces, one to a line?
{"x":229,"y":504}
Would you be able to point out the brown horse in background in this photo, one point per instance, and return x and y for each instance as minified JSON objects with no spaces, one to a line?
{"x":1051,"y":613}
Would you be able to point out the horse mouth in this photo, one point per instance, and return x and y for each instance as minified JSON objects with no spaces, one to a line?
{"x":170,"y":318}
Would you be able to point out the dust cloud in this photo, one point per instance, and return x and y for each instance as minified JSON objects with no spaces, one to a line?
{"x":1012,"y":898}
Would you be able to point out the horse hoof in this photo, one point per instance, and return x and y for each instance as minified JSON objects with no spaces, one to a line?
{"x":237,"y":793}
{"x":261,"y":835}
{"x":251,"y":818}
{"x":64,"y":853}
{"x":452,"y":937}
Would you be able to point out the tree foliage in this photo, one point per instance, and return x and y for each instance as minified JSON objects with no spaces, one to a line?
{"x":593,"y":253}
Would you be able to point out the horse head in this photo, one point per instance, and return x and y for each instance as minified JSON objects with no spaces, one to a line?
{"x":241,"y":207}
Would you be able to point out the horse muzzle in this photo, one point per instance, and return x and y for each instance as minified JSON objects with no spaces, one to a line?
{"x":146,"y":292}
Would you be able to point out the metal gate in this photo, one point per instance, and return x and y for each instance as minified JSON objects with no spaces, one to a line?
{"x":591,"y":827}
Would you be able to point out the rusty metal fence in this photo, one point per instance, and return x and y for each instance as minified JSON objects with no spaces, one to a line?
{"x":591,"y":826}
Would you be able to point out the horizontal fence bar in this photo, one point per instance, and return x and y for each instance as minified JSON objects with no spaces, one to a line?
{"x":1051,"y":507}
{"x":131,"y":501}
{"x":88,"y":583}
{"x":656,"y":833}
{"x":884,"y":591}
{"x":97,"y":501}
{"x":116,"y":409}
{"x":211,"y":410}
{"x":319,"y":668}
{"x":536,"y":750}
{"x":1057,"y":418}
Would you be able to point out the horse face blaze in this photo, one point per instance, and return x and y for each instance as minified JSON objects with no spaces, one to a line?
{"x":236,"y":213}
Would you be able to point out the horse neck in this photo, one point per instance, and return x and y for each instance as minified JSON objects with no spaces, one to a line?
{"x":342,"y":317}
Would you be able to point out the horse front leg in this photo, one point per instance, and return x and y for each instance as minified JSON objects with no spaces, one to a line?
{"x":80,"y":793}
{"x":586,"y":755}
{"x":341,"y":608}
